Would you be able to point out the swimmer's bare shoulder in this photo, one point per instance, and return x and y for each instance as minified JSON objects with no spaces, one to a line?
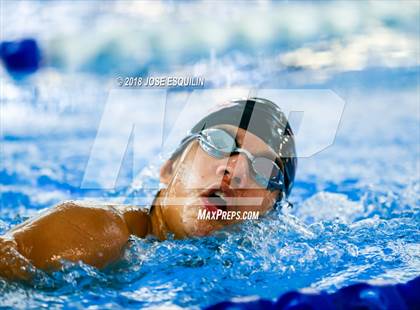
{"x":76,"y":231}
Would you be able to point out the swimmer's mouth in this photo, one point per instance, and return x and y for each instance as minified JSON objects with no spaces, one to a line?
{"x":215,"y":199}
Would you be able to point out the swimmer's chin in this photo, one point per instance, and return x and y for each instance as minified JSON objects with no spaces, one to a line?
{"x":195,"y":227}
{"x":202,"y":228}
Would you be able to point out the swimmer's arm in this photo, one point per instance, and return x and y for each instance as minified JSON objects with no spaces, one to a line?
{"x":73,"y":231}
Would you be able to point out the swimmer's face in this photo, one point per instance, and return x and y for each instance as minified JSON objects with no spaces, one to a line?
{"x":197,"y":182}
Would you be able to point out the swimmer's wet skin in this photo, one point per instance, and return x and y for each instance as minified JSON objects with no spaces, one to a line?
{"x":230,"y":160}
{"x":94,"y":234}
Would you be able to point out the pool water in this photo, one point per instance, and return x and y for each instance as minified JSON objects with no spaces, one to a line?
{"x":355,"y":214}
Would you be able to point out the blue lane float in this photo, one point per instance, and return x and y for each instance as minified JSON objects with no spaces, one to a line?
{"x":357,"y":296}
{"x":21,"y":57}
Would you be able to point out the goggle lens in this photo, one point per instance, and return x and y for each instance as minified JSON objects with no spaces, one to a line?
{"x":265,"y":167}
{"x":220,"y":140}
{"x":218,"y":143}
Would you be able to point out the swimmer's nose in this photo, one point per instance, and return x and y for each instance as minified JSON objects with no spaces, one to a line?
{"x":235,"y":172}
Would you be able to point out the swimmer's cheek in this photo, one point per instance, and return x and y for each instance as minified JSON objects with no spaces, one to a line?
{"x":73,"y":232}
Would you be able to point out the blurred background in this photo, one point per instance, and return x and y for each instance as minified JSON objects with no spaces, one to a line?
{"x":60,"y":60}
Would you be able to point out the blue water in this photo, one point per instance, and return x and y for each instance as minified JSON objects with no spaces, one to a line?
{"x":356,"y":204}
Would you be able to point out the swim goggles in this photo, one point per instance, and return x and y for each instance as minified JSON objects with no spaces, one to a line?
{"x":220,"y":144}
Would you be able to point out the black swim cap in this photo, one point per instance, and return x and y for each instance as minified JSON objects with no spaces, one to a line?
{"x":264,"y":119}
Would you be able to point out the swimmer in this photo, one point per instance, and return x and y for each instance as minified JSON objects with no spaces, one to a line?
{"x":241,"y":157}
